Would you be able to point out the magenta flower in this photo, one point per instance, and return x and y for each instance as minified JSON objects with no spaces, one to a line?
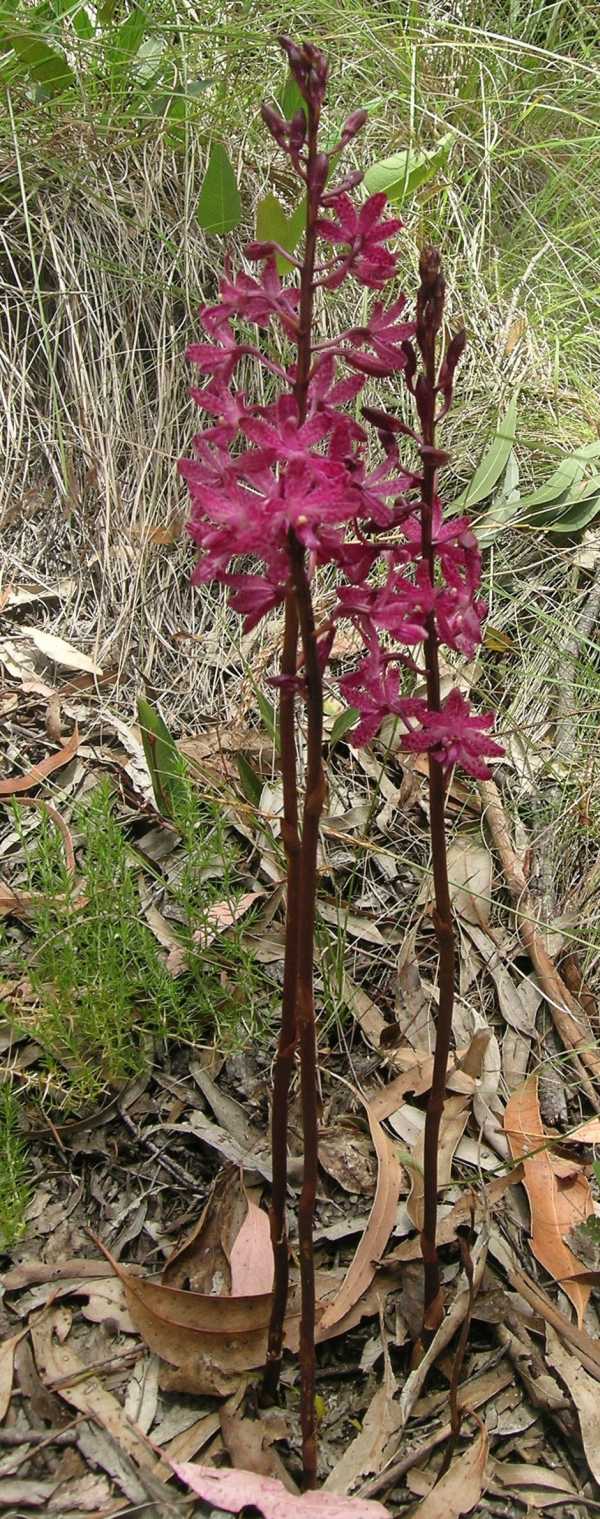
{"x":296,"y":469}
{"x":456,"y":736}
{"x":362,"y":234}
{"x":254,"y":300}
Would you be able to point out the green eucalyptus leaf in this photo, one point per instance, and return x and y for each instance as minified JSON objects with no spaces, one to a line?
{"x":163,"y":760}
{"x":402,"y":174}
{"x":578,"y":511}
{"x":273,"y":225}
{"x":43,"y":64}
{"x":219,"y":206}
{"x":567,"y":474}
{"x":251,"y":783}
{"x":344,"y":722}
{"x":290,"y":100}
{"x":123,"y":43}
{"x":504,"y":507}
{"x":493,"y":464}
{"x":269,"y":717}
{"x":83,"y":25}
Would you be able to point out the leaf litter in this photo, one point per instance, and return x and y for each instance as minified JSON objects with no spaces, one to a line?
{"x":152,"y":1339}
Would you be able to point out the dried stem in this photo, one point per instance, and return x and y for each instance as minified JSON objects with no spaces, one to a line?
{"x":429,"y":317}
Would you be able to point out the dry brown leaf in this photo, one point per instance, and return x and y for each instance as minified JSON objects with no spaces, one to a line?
{"x":584,"y":1392}
{"x":57,"y":1363}
{"x":207,"y":1338}
{"x":347,"y":1156}
{"x":220,"y":917}
{"x":480,"y":1201}
{"x":141,"y":1398}
{"x":461,"y":1487}
{"x":368,"y":1015}
{"x":227,"y":1147}
{"x":558,"y":1191}
{"x":412,"y":1004}
{"x":381,"y":1220}
{"x":587,"y":1133}
{"x":80,"y":1494}
{"x":26,"y":1492}
{"x":231,"y":1115}
{"x":249,"y":1445}
{"x":203,"y":1263}
{"x":45,"y":768}
{"x":364,"y":1455}
{"x":7,"y":1367}
{"x":535,"y":1485}
{"x":572,"y":1026}
{"x":452,"y":1127}
{"x":61,"y":652}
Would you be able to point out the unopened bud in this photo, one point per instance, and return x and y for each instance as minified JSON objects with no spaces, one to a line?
{"x":293,"y":52}
{"x":349,"y":183}
{"x":275,"y":124}
{"x":297,"y":131}
{"x":430,"y":267}
{"x":354,"y":124}
{"x":320,"y":172}
{"x":456,"y":348}
{"x":259,"y":250}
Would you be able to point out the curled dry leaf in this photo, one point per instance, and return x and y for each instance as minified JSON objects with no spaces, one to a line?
{"x":558,"y":1191}
{"x":61,"y":652}
{"x":235,"y":1490}
{"x":59,"y":1364}
{"x":216,"y":1331}
{"x":203,"y":1263}
{"x":46,"y":767}
{"x":461,"y":1487}
{"x":470,"y":875}
{"x":7,"y":1366}
{"x":381,"y":1220}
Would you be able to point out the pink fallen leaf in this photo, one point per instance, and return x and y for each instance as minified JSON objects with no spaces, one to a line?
{"x":251,"y":1258}
{"x":235,"y":1490}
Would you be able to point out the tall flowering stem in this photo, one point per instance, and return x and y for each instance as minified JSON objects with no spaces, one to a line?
{"x":298,"y":1017}
{"x":279,"y":490}
{"x":430,"y":309}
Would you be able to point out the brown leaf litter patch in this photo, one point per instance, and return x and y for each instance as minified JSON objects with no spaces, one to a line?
{"x":136,"y":1304}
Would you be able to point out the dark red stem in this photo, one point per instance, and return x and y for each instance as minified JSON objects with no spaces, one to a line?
{"x":298,"y":1020}
{"x":429,"y":318}
{"x":305,"y":1013}
{"x":287,"y":1035}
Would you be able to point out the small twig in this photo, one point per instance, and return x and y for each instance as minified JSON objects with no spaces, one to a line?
{"x":16,"y":1437}
{"x":168,"y":1165}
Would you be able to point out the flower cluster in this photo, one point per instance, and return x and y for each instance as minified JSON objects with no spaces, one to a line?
{"x":297,"y":470}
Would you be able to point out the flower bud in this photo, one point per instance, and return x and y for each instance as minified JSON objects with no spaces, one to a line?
{"x":354,"y":124}
{"x":259,"y":250}
{"x":320,"y":172}
{"x":275,"y":124}
{"x":349,"y":183}
{"x":297,"y":131}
